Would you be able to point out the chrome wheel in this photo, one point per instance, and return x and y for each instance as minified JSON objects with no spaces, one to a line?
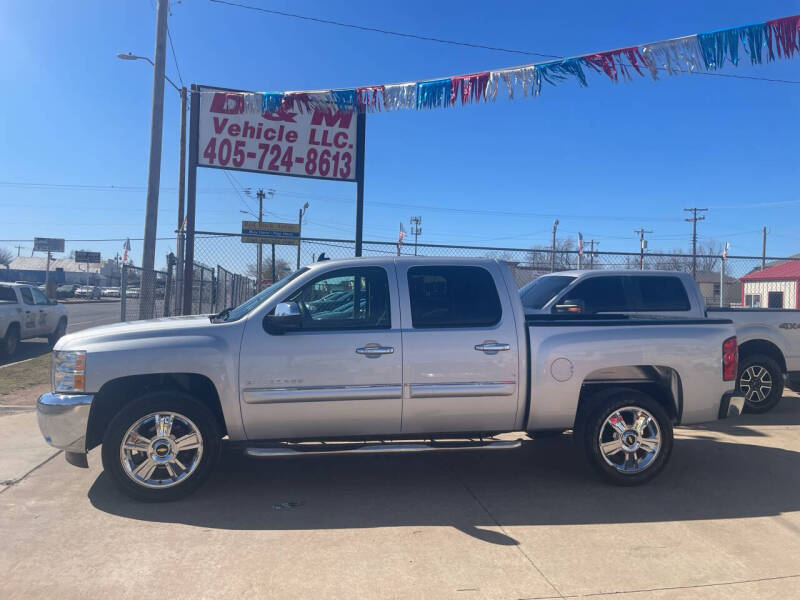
{"x":756,"y":384}
{"x":630,"y":440}
{"x":161,"y":450}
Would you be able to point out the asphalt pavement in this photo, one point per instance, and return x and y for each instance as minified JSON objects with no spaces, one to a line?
{"x":91,"y":314}
{"x":81,"y":315}
{"x":722,"y":521}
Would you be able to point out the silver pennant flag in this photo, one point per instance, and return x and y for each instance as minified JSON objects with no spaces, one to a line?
{"x":401,"y":95}
{"x":522,"y":76}
{"x":674,"y":56}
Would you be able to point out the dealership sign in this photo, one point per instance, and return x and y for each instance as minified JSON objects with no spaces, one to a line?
{"x":254,"y":232}
{"x":315,"y":142}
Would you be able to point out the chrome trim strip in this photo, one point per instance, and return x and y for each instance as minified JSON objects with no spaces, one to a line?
{"x":322,"y":394}
{"x":63,"y":419}
{"x":379,"y":448}
{"x":441,"y":390}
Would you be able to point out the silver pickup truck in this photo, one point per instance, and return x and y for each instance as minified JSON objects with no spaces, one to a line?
{"x":381,"y":354}
{"x":769,"y":338}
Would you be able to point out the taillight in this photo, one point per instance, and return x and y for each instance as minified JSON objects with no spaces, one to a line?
{"x":730,"y":359}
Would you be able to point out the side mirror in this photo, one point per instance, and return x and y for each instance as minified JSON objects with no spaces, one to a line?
{"x":285,"y":317}
{"x":570,"y":307}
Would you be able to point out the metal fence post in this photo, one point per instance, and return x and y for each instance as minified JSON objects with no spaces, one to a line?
{"x":200,"y":299}
{"x":123,"y":289}
{"x":168,"y":284}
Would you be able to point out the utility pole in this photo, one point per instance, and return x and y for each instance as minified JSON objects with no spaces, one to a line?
{"x":553,"y":248}
{"x":260,"y":196}
{"x":693,"y":220}
{"x":642,"y":245}
{"x":300,"y":230}
{"x":147,"y":301}
{"x":19,"y":249}
{"x":181,"y":196}
{"x":763,"y":248}
{"x":416,"y":229}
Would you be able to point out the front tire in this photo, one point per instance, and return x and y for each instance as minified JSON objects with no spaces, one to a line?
{"x":60,"y":331}
{"x":161,"y":447}
{"x":10,"y":342}
{"x":626,"y":437}
{"x":760,"y":379}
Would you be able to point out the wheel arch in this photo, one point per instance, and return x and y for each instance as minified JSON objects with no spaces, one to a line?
{"x":118,"y":393}
{"x":761,"y":346}
{"x":662,"y":383}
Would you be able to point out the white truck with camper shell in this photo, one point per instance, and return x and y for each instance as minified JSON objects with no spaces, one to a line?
{"x":769,"y":338}
{"x":25,"y":313}
{"x":378,"y":355}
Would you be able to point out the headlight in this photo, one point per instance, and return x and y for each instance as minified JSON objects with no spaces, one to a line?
{"x":69,"y":371}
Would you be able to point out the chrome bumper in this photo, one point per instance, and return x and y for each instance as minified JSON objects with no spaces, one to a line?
{"x":63,"y":419}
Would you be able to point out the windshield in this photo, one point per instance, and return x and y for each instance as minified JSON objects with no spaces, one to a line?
{"x":540,"y":291}
{"x":244,"y":308}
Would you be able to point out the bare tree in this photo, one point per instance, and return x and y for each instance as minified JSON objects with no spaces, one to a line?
{"x":6,"y":256}
{"x":708,"y":255}
{"x":566,"y":258}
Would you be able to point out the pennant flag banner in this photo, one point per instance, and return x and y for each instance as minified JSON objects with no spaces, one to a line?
{"x":703,"y":52}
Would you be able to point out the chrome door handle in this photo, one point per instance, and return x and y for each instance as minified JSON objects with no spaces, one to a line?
{"x":492,"y":347}
{"x":375,"y":350}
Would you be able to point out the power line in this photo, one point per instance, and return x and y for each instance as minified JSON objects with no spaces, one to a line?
{"x":174,"y":57}
{"x":426,"y":38}
{"x":383,"y":31}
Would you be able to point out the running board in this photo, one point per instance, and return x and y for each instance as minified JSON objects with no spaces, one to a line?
{"x":336,"y":448}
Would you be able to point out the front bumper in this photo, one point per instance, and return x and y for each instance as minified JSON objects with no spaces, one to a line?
{"x":63,"y":419}
{"x":731,"y":405}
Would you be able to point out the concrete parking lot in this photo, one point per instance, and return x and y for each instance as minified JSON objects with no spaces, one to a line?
{"x":723,"y":521}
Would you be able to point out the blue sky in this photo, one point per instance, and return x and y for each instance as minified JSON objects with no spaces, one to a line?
{"x":604,"y":159}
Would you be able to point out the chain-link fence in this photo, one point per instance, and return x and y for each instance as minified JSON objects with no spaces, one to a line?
{"x":234,"y":277}
{"x":135,"y":283}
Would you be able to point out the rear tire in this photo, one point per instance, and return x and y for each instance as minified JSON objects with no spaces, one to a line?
{"x":626,"y":436}
{"x":60,"y":331}
{"x":161,"y":447}
{"x":760,"y":379}
{"x":11,"y":341}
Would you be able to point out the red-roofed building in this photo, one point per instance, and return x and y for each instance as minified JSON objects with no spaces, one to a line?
{"x":774,"y":287}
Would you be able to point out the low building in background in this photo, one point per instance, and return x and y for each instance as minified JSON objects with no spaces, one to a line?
{"x":711,"y":287}
{"x":62,"y":271}
{"x":774,"y":287}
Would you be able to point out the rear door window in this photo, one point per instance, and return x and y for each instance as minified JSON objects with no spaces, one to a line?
{"x":600,"y":294}
{"x":27,"y":297}
{"x":452,"y":297}
{"x":660,"y":293}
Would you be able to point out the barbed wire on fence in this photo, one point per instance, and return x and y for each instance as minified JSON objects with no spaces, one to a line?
{"x":225,"y":271}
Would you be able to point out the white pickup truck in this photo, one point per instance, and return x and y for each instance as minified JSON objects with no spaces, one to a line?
{"x":25,"y":312}
{"x":769,"y":338}
{"x":381,"y":354}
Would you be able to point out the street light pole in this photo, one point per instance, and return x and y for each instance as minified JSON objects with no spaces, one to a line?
{"x":553,"y":248}
{"x":181,"y":180}
{"x":154,"y":170}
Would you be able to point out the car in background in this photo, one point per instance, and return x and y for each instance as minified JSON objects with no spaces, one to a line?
{"x":132,"y":293}
{"x":110,"y":292}
{"x":91,"y":292}
{"x":66,"y":291}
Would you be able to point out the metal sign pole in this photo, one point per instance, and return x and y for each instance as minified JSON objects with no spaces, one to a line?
{"x":191,"y":199}
{"x":361,"y":127}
